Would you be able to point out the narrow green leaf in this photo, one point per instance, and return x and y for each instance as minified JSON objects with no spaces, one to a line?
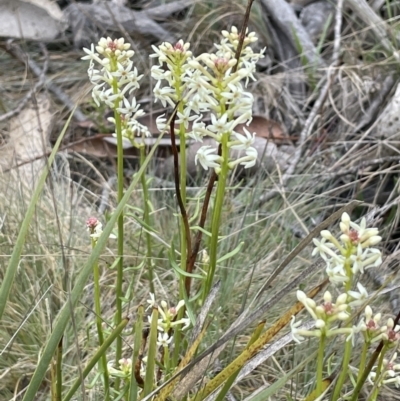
{"x":134,"y":388}
{"x":96,"y":357}
{"x":229,"y":383}
{"x":151,"y":354}
{"x":231,"y":253}
{"x":196,"y":211}
{"x":205,"y":232}
{"x":182,"y":272}
{"x":64,"y":315}
{"x":276,"y":386}
{"x":11,"y":270}
{"x":324,"y":33}
{"x":141,"y":222}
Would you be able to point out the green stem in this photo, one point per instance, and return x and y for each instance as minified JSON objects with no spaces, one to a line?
{"x":178,"y":335}
{"x":378,"y":374}
{"x":96,"y":357}
{"x":349,"y":345}
{"x":216,"y":218}
{"x":59,"y":371}
{"x":97,"y":306}
{"x":147,"y":220}
{"x":320,"y":364}
{"x":120,"y":246}
{"x":182,"y":186}
{"x":363,"y":359}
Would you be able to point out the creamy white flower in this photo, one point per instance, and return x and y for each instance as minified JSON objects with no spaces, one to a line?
{"x":295,"y":331}
{"x":130,"y":108}
{"x":161,"y":122}
{"x":250,"y":159}
{"x":359,"y":297}
{"x":336,"y":273}
{"x":185,"y":117}
{"x":243,"y":142}
{"x":163,"y":340}
{"x":108,"y":97}
{"x":152,"y":301}
{"x":206,"y":157}
{"x":198,"y":129}
{"x":365,"y":258}
{"x":164,"y":94}
{"x":219,"y":125}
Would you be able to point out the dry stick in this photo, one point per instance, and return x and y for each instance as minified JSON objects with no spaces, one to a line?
{"x":179,"y":196}
{"x":360,"y":166}
{"x":315,"y":110}
{"x":29,"y":95}
{"x":17,"y":53}
{"x":61,"y":149}
{"x":372,"y":20}
{"x":202,"y":221}
{"x":213,"y":177}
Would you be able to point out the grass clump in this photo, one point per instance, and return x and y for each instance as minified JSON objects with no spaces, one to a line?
{"x":166,"y":281}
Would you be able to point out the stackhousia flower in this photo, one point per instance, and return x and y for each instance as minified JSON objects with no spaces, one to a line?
{"x":209,"y":84}
{"x":352,"y":253}
{"x":115,"y":82}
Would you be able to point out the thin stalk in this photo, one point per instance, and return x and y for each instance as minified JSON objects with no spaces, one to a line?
{"x":378,"y":373}
{"x":320,"y":364}
{"x":151,"y":355}
{"x":182,"y":189}
{"x":178,"y":335}
{"x":133,"y":389}
{"x":59,"y":371}
{"x":363,"y":359}
{"x":349,"y":345}
{"x":120,"y":246}
{"x":97,"y":306}
{"x":149,"y":260}
{"x":216,"y":218}
{"x":96,"y":357}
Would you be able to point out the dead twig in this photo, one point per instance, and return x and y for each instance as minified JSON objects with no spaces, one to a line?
{"x":16,"y":52}
{"x":36,"y":88}
{"x":315,"y":110}
{"x":283,"y":15}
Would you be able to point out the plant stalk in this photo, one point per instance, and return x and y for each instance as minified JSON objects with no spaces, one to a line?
{"x":147,"y":220}
{"x":216,"y":218}
{"x":103,"y":361}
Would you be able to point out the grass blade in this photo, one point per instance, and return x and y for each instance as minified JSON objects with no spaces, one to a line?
{"x":65,"y":314}
{"x":15,"y":257}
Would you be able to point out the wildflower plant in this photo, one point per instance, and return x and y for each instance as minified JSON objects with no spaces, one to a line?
{"x":347,"y":258}
{"x":213,"y":84}
{"x":210,"y":85}
{"x":209,"y":96}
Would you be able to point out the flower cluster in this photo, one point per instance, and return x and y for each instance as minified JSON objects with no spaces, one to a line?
{"x":115,"y":82}
{"x":124,"y":371}
{"x":344,"y":257}
{"x":168,"y":318}
{"x":391,"y":373}
{"x":373,"y":332}
{"x":95,"y":228}
{"x":352,"y":253}
{"x":324,"y":315}
{"x":209,"y":83}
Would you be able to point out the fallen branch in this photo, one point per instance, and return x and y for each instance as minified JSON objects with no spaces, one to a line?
{"x":315,"y":110}
{"x":16,"y":52}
